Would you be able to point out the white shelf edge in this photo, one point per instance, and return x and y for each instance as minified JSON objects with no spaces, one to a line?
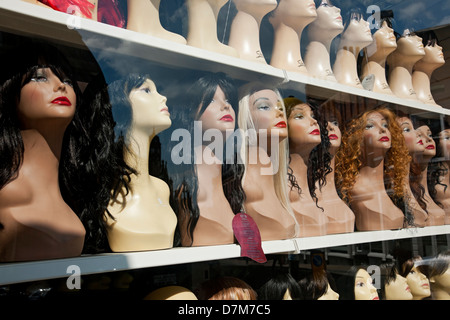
{"x":227,"y":63}
{"x":19,"y":272}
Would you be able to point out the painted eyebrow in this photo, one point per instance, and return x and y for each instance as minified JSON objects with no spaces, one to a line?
{"x":262,"y":98}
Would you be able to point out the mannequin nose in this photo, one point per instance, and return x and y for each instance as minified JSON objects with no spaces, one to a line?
{"x":59,"y":86}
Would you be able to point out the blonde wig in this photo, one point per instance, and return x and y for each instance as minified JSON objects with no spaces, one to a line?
{"x":246,"y":124}
{"x":349,"y":157}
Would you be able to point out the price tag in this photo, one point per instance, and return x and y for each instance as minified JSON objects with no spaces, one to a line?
{"x":247,"y":234}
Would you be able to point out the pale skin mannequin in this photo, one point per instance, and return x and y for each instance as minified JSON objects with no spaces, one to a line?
{"x":341,"y":218}
{"x":375,"y":54}
{"x":36,"y":222}
{"x":414,"y":143}
{"x":202,"y":26}
{"x":443,"y":194}
{"x":288,"y":20}
{"x":304,"y":135}
{"x":144,"y":220}
{"x":262,"y":203}
{"x":401,"y":61}
{"x":329,"y":295}
{"x":93,"y":10}
{"x":143,"y":17}
{"x":244,"y":32}
{"x":422,"y":71}
{"x":354,"y":38}
{"x":374,"y":210}
{"x":440,"y":286}
{"x":419,"y":284}
{"x":398,"y":289}
{"x":214,"y":226}
{"x":321,"y":33}
{"x":364,"y":289}
{"x":436,"y":215}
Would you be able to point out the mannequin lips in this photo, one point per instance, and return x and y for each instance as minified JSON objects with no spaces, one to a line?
{"x":376,"y":298}
{"x":227,"y":118}
{"x":408,"y":289}
{"x":333,"y":137}
{"x":430,"y":147}
{"x":315,"y":132}
{"x":420,"y":142}
{"x":165,"y":110}
{"x":384,"y":139}
{"x":281,"y":124}
{"x":63,"y":101}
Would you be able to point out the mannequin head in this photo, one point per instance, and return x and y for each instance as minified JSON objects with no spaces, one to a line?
{"x":281,"y":287}
{"x":356,"y":34}
{"x":356,"y":284}
{"x":226,"y":288}
{"x":394,"y":286}
{"x":334,"y":126}
{"x":439,"y":275}
{"x":443,"y":145}
{"x":318,"y":286}
{"x":429,"y":143}
{"x":328,"y":23}
{"x":434,"y":57}
{"x":418,"y":282}
{"x":293,"y":13}
{"x":361,"y":140}
{"x":409,"y":50}
{"x":384,"y":42}
{"x":413,"y":138}
{"x":257,"y":8}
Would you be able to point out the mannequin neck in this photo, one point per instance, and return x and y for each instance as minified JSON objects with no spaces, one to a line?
{"x":202,"y":20}
{"x":150,"y":8}
{"x":373,"y":166}
{"x":407,"y":62}
{"x":139,"y":154}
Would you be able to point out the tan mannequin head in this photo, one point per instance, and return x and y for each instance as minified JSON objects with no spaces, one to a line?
{"x":328,"y":23}
{"x":357,"y":34}
{"x":413,"y":138}
{"x":364,"y":289}
{"x":417,"y":281}
{"x":294,"y":13}
{"x":384,"y":42}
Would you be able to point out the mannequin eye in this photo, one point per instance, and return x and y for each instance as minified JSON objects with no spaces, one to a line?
{"x":68,"y":82}
{"x":369,"y":126}
{"x":406,"y":129}
{"x":299,"y":116}
{"x":264,"y":107}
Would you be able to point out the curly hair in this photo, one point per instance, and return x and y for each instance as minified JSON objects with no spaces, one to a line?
{"x":349,"y":157}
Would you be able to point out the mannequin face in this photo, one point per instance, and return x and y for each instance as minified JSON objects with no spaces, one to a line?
{"x":364,"y":289}
{"x":328,"y":17}
{"x":357,"y":32}
{"x":413,"y":138}
{"x":410,"y":46}
{"x":442,"y":280}
{"x":255,"y":6}
{"x":303,"y":127}
{"x":219,"y":114}
{"x":398,"y":289}
{"x":267,"y":112}
{"x":45,"y":97}
{"x":444,"y":143}
{"x":376,"y":132}
{"x":385,"y":37}
{"x":418,"y":283}
{"x":433,"y":55}
{"x":430,"y":145}
{"x":296,"y":9}
{"x":149,"y":107}
{"x":334,"y":134}
{"x":329,"y":295}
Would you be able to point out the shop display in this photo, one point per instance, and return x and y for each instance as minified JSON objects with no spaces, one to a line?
{"x":375,"y":54}
{"x":320,"y":34}
{"x":37,"y":147}
{"x":143,"y":16}
{"x":263,"y":118}
{"x":245,"y":28}
{"x":423,"y":69}
{"x":373,"y":152}
{"x":417,"y":281}
{"x":305,"y":135}
{"x":289,"y":19}
{"x":354,"y":38}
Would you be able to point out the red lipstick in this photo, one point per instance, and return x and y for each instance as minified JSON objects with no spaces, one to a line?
{"x":333,"y":137}
{"x":383,"y":139}
{"x":430,"y":146}
{"x":281,"y":124}
{"x":315,"y":132}
{"x":63,"y":101}
{"x":227,"y":118}
{"x":420,"y":142}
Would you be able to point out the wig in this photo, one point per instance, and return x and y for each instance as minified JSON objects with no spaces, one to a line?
{"x":106,"y":173}
{"x":182,"y":177}
{"x":315,"y":285}
{"x":276,"y":288}
{"x":389,"y":272}
{"x":320,"y":157}
{"x":226,"y":288}
{"x":346,"y":283}
{"x":438,"y":265}
{"x":246,"y":124}
{"x":350,"y":156}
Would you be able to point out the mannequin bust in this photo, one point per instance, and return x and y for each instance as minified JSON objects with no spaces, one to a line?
{"x":143,"y":17}
{"x":211,"y":187}
{"x":373,"y":152}
{"x":86,"y":8}
{"x":436,"y":215}
{"x":356,"y":284}
{"x":262,"y":117}
{"x":321,"y":33}
{"x":38,"y":111}
{"x":414,"y":143}
{"x":423,"y":69}
{"x":280,"y":287}
{"x":439,"y":275}
{"x":355,"y":37}
{"x":244,"y":32}
{"x":304,"y":136}
{"x":202,"y":26}
{"x":375,"y":54}
{"x":394,"y":286}
{"x":139,"y":216}
{"x":439,"y":173}
{"x":401,"y":62}
{"x":288,"y":20}
{"x":341,"y":218}
{"x":416,"y":279}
